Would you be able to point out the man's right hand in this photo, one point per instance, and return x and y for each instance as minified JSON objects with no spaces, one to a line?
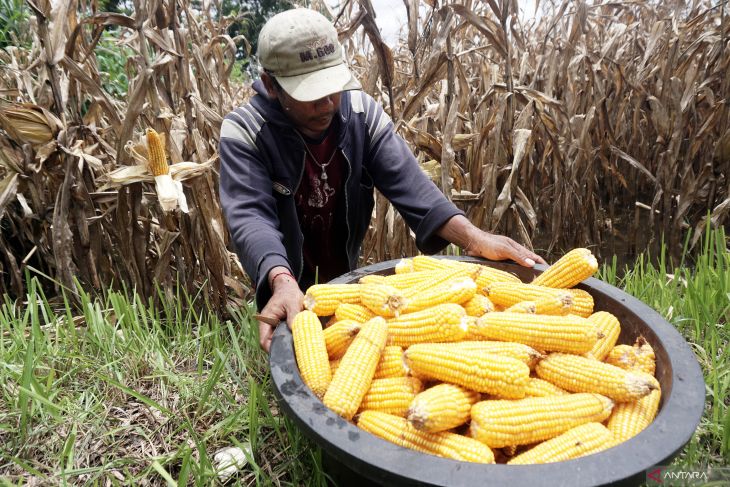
{"x":286,"y":301}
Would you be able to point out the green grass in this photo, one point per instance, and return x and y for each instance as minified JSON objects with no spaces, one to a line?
{"x":14,"y":28}
{"x":117,"y":391}
{"x":695,"y":298}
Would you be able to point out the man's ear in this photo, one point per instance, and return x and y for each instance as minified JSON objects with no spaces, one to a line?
{"x":268,"y":82}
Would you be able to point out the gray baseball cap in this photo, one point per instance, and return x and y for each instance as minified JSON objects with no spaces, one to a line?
{"x":299,"y":47}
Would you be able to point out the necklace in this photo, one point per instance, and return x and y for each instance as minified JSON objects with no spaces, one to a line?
{"x":322,"y":166}
{"x":321,"y":190}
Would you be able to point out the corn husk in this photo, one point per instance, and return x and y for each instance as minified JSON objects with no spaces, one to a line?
{"x":29,"y":123}
{"x":170,"y":193}
{"x":230,"y":460}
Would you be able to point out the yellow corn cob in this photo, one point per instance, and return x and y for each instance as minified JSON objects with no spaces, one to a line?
{"x":519,"y":351}
{"x":440,"y":323}
{"x":580,"y":374}
{"x":537,"y":387}
{"x":500,"y":423}
{"x":482,"y":275}
{"x":382,"y":299}
{"x":483,"y":372}
{"x":478,"y":305}
{"x":357,"y":368}
{"x":639,"y":357}
{"x":404,"y":266}
{"x":570,"y":333}
{"x":576,"y":442}
{"x":628,"y":419}
{"x":489,"y":275}
{"x":541,"y":388}
{"x":355,"y":312}
{"x":457,"y":291}
{"x":609,"y":326}
{"x":372,"y":279}
{"x":510,"y":293}
{"x":311,"y":352}
{"x":472,"y":331}
{"x":339,"y":336}
{"x":323,"y":299}
{"x":412,"y":279}
{"x":582,"y":303}
{"x":438,"y":278}
{"x":391,"y":395}
{"x":572,"y":268}
{"x":428,"y":263}
{"x":156,"y":153}
{"x":558,"y":305}
{"x":391,"y":363}
{"x":449,"y":445}
{"x":623,"y":356}
{"x":441,"y":407}
{"x":527,"y":307}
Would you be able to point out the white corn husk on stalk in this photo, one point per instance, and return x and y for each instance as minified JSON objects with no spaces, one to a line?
{"x":169,"y":192}
{"x":146,"y":171}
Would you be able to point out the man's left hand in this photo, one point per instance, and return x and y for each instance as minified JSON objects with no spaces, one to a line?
{"x":499,"y":247}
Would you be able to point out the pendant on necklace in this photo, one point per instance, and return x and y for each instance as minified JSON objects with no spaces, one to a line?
{"x":326,"y":188}
{"x":317,"y":196}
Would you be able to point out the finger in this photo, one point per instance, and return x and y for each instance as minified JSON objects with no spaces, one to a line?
{"x":529,"y":254}
{"x":275,"y":311}
{"x":265,"y":334}
{"x":291,"y":312}
{"x":525,"y":256}
{"x":521,"y":255}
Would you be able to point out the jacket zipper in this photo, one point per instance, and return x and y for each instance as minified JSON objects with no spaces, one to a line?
{"x":347,"y":209}
{"x":300,"y":272}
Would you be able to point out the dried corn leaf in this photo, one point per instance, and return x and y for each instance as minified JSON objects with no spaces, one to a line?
{"x":8,"y":189}
{"x":486,"y":26}
{"x":722,"y":149}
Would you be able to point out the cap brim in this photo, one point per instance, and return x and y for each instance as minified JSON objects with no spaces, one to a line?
{"x":318,"y":84}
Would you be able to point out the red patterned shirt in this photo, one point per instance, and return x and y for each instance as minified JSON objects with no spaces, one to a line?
{"x":321,"y":211}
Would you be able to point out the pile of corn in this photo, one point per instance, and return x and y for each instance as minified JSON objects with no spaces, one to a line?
{"x":466,"y":362}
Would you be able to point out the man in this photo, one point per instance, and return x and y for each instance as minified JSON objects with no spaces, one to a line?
{"x":298,"y":168}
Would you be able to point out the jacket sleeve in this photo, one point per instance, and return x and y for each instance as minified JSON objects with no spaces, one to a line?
{"x":399,"y":178}
{"x":247,"y":198}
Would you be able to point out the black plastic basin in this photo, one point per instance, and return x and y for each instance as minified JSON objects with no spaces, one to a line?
{"x":369,"y":460}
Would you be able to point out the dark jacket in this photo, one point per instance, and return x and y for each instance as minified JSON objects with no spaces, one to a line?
{"x":262,"y":161}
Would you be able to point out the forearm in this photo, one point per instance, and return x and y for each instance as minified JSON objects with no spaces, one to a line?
{"x":460,"y":231}
{"x":279,"y":274}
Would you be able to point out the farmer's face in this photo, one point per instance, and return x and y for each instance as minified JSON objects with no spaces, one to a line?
{"x":311,"y":118}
